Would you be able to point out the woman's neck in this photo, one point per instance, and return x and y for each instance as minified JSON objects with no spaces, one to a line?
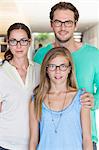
{"x":21,"y":66}
{"x":20,"y":63}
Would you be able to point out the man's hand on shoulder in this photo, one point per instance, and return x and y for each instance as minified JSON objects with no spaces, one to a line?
{"x":87,"y":100}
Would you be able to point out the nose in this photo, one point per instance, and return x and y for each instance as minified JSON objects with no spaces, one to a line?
{"x":57,"y":69}
{"x":63,"y":26}
{"x":18,"y":44}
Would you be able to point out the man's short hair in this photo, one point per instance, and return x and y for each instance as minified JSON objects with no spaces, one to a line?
{"x":64,"y":6}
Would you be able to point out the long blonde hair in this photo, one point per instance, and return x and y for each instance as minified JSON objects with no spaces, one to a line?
{"x":43,"y":88}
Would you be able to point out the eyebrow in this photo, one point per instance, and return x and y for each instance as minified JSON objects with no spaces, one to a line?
{"x":20,"y":39}
{"x":63,"y":21}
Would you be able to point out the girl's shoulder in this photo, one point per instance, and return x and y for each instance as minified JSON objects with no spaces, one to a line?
{"x":72,"y":90}
{"x":75,"y":93}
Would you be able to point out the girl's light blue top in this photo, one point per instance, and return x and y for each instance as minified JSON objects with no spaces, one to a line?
{"x":86,"y":62}
{"x":69,"y":132}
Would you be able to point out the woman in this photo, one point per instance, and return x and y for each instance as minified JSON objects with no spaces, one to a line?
{"x":57,"y":119}
{"x":17,"y":80}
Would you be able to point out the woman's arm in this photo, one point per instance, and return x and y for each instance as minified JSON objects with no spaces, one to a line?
{"x":86,"y":129}
{"x":34,"y":130}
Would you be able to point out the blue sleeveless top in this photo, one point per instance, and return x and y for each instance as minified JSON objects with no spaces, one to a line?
{"x":68,"y":126}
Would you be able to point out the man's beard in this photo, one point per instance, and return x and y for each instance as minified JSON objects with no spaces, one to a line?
{"x":62,"y":41}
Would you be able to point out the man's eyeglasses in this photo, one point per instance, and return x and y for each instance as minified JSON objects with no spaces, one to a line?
{"x":67,"y":23}
{"x":53,"y":67}
{"x":14,"y":42}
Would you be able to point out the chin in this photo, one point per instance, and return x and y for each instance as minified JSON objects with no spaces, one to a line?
{"x":63,"y":40}
{"x":59,"y":81}
{"x":20,"y":56}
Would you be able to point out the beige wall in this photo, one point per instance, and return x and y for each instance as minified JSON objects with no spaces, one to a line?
{"x":91,"y":36}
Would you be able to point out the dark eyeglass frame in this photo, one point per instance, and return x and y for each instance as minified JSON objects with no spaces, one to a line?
{"x":67,"y":23}
{"x":62,"y":67}
{"x":14,"y":42}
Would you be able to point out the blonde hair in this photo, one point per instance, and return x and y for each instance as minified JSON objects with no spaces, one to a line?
{"x":43,"y":88}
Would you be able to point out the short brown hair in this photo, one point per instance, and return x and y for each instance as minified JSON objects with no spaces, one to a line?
{"x":64,"y":6}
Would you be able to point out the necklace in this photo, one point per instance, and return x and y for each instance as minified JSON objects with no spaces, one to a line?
{"x":56,"y":124}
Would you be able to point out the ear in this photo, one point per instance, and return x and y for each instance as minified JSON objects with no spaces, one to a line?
{"x":51,"y":24}
{"x":76,"y":26}
{"x":30,"y":42}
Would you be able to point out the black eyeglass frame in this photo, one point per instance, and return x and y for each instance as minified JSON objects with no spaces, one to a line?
{"x":61,"y":68}
{"x":67,"y":23}
{"x":25,"y":42}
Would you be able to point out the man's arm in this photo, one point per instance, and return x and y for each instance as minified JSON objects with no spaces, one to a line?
{"x":96,"y":81}
{"x":96,"y":94}
{"x":89,"y":100}
{"x":86,"y":129}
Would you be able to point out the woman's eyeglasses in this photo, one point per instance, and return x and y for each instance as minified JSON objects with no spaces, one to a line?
{"x":14,"y":42}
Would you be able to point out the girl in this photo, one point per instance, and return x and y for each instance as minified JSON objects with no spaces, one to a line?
{"x":57,"y":120}
{"x":17,"y":80}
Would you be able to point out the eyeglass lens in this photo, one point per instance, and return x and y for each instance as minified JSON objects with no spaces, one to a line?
{"x":22,"y":42}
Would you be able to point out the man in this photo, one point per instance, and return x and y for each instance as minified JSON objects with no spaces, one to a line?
{"x":64,"y":18}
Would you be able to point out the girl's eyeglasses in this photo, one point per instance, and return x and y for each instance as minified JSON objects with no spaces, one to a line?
{"x":53,"y":67}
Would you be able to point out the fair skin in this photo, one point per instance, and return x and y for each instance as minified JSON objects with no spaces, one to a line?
{"x":63,"y":34}
{"x":57,"y":93}
{"x":64,"y":37}
{"x":20,"y":60}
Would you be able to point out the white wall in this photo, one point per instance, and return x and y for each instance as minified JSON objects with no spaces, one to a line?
{"x":31,"y":49}
{"x":91,"y":36}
